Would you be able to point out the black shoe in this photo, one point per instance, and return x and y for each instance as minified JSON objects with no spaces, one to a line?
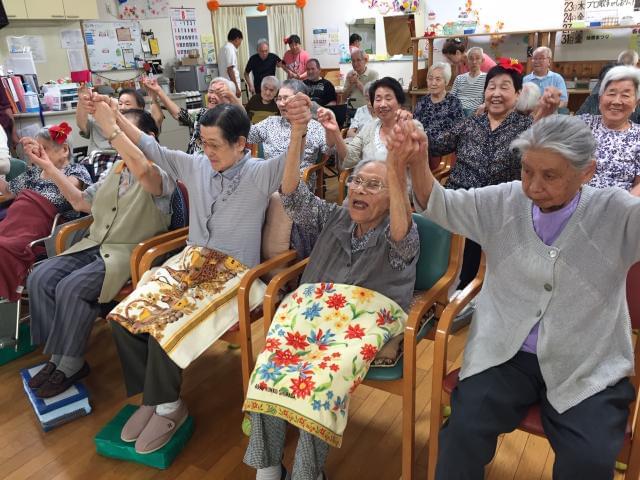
{"x":42,"y":376}
{"x":58,"y":382}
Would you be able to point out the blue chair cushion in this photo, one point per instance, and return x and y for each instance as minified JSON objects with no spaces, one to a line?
{"x":179,"y":213}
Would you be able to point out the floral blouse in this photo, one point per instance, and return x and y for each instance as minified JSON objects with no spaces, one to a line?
{"x":617,"y":154}
{"x":438,"y":117}
{"x":482,"y":155}
{"x":31,"y":180}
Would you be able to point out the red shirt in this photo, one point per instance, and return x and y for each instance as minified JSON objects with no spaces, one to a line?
{"x":487,"y":64}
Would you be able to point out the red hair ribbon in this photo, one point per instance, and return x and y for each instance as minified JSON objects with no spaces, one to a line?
{"x":286,"y":40}
{"x":59,"y":133}
{"x":510,"y":64}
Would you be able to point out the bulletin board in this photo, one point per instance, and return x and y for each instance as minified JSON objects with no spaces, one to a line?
{"x":112,"y":45}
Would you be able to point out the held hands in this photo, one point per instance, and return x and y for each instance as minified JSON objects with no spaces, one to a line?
{"x":328,"y":120}
{"x":151,"y":86}
{"x":298,"y":113}
{"x":224,"y":93}
{"x":84,"y":98}
{"x":406,"y":144}
{"x":548,"y":103}
{"x":36,"y":153}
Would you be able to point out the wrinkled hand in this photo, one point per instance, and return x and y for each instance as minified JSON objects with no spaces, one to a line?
{"x":404,"y":115}
{"x":84,"y":98}
{"x":405,"y":144}
{"x":105,"y":116}
{"x":224,"y":93}
{"x":298,"y":113}
{"x":549,"y":102}
{"x":328,"y":120}
{"x":252,"y":90}
{"x":112,"y":102}
{"x":37,"y":154}
{"x":151,"y":85}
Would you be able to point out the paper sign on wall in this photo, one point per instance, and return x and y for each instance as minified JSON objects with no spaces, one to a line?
{"x":185,"y":31}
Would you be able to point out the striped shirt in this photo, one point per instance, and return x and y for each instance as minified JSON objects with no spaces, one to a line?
{"x":469,"y":90}
{"x":226,"y":209}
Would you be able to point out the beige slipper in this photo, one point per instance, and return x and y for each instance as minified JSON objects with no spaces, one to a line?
{"x":160,"y":429}
{"x":136,"y":423}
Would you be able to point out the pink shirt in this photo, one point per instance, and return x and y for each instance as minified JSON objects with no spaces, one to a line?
{"x":487,"y":64}
{"x":297,"y":62}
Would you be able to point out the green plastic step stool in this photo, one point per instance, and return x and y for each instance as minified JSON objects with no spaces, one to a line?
{"x":109,"y":444}
{"x":9,"y":354}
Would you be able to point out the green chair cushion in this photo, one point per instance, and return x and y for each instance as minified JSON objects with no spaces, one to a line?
{"x":17,"y":167}
{"x":435,"y":243}
{"x":109,"y":444}
{"x":24,"y":341}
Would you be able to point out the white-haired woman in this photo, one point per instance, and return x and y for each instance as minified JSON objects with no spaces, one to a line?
{"x":551,"y":325}
{"x":364,"y":114}
{"x":263,"y":104}
{"x":438,"y":111}
{"x":628,"y":57}
{"x":220,"y":91}
{"x":618,"y":152}
{"x":528,"y":98}
{"x":469,"y":87}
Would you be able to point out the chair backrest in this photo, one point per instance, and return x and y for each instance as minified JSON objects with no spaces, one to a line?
{"x":435,"y":243}
{"x":633,"y":295}
{"x":340,"y":111}
{"x":99,"y":161}
{"x":179,"y":207}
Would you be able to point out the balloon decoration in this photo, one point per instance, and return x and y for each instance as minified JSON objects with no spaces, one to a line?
{"x":261,"y":7}
{"x":213,"y":5}
{"x":301,"y":3}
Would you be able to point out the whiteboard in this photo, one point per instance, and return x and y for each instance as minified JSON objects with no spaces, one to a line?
{"x":112,"y":45}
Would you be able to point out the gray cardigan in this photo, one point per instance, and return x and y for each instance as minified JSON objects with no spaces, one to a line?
{"x":575,"y":287}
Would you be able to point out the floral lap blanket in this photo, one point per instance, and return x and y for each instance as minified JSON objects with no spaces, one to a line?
{"x":318,"y":349}
{"x":188,"y":303}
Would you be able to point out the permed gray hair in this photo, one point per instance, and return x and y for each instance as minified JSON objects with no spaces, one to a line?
{"x":296,"y":85}
{"x":270,"y":80}
{"x":528,"y":98}
{"x":628,"y":57}
{"x":44,"y":134}
{"x":226,"y":81}
{"x":368,"y":161}
{"x":477,"y":50}
{"x":446,"y":70}
{"x":565,"y":135}
{"x":621,"y":72}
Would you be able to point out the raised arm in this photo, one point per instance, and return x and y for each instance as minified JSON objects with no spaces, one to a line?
{"x":156,"y":92}
{"x":333,"y":135}
{"x":141,"y":168}
{"x":298,"y":111}
{"x":548,"y":104}
{"x":83,"y":109}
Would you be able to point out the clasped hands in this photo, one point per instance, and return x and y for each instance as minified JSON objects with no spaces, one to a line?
{"x":298,"y":109}
{"x":406,"y":144}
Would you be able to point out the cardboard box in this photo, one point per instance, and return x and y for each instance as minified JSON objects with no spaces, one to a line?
{"x":188,"y":61}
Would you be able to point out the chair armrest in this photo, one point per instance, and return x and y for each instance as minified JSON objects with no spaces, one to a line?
{"x":68,"y":229}
{"x":278,"y":282}
{"x":56,"y":221}
{"x":147,"y":259}
{"x":342,"y":184}
{"x":306,"y":173}
{"x":145,"y":245}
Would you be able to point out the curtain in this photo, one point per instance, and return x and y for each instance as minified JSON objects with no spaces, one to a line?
{"x":282,"y":21}
{"x":223,"y":20}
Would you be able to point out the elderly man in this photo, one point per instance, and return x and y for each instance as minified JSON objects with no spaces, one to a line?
{"x":543,"y":77}
{"x":228,"y":59}
{"x":358,"y":77}
{"x":321,"y":90}
{"x":261,"y":64}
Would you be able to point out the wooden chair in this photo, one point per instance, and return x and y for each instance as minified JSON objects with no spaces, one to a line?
{"x":318,"y":169}
{"x":442,"y":169}
{"x":342,"y":184}
{"x":440,"y":256}
{"x":444,"y":382}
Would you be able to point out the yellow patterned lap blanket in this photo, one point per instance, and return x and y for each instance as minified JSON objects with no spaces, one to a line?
{"x":188,"y":303}
{"x":319,"y":348}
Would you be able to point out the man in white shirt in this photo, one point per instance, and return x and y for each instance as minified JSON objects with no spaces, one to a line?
{"x":228,"y":59}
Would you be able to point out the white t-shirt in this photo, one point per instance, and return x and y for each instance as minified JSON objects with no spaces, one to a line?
{"x":229,"y":58}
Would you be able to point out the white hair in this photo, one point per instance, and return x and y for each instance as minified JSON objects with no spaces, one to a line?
{"x":628,"y":57}
{"x":565,"y":135}
{"x":358,"y":53}
{"x":477,"y":50}
{"x":621,"y":72}
{"x":446,"y":70}
{"x":546,"y":50}
{"x":270,"y":80}
{"x":262,"y":41}
{"x":45,"y":134}
{"x":528,"y":99}
{"x":226,"y":81}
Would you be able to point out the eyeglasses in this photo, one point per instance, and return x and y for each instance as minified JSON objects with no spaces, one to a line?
{"x":202,"y":144}
{"x":369,"y":186}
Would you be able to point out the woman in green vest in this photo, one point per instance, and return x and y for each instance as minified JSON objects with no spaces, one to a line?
{"x":65,"y":292}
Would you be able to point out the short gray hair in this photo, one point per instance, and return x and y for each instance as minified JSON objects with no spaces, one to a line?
{"x":45,"y":134}
{"x":357,"y":52}
{"x":528,"y":98}
{"x":621,"y":72}
{"x":262,"y":41}
{"x":296,"y":85}
{"x":270,"y":79}
{"x":565,"y":135}
{"x":628,"y":57}
{"x":368,"y":161}
{"x":546,"y":50}
{"x":475,"y":50}
{"x":226,"y":81}
{"x":446,"y":70}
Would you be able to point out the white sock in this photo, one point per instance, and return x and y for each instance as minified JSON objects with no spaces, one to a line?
{"x":269,"y":473}
{"x":168,"y":408}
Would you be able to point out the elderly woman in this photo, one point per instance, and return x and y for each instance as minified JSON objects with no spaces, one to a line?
{"x":438,"y":111}
{"x":469,"y":87}
{"x":263,"y":104}
{"x":358,"y":78}
{"x":364,"y":114}
{"x":366,"y":254}
{"x":294,"y":60}
{"x":175,"y":315}
{"x":65,"y":292}
{"x":275,"y":132}
{"x":386,"y":96}
{"x":220,"y":91}
{"x":454,"y":51}
{"x":37,"y":201}
{"x":618,"y":152}
{"x":536,"y":337}
{"x":481,"y":143}
{"x":528,"y":98}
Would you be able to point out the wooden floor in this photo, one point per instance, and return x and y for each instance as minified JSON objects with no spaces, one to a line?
{"x":212,"y":390}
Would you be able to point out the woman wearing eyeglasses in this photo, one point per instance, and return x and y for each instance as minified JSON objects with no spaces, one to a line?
{"x":369,"y":248}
